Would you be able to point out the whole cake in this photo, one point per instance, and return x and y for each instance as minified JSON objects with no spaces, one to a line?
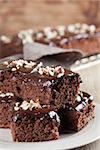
{"x":79,"y":36}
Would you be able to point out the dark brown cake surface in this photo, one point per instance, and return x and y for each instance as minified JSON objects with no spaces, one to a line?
{"x":77,"y":116}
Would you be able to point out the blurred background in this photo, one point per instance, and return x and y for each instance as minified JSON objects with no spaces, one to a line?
{"x":16,"y":15}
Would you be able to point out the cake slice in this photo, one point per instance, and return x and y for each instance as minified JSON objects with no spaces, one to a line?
{"x":27,"y":127}
{"x":52,"y":87}
{"x":77,"y":116}
{"x":6,"y":103}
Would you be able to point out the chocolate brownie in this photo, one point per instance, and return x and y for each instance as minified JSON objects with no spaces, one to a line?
{"x":26,"y":127}
{"x":79,"y":36}
{"x":77,"y":116}
{"x":6,"y":103}
{"x":49,"y":86}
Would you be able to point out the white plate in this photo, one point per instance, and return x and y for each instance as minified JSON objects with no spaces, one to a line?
{"x":87,"y":135}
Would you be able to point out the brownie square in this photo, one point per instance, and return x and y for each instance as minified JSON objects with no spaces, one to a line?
{"x":77,"y":116}
{"x":51,"y":86}
{"x":26,"y":127}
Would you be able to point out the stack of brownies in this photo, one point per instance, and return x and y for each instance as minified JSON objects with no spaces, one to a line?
{"x":38,"y":102}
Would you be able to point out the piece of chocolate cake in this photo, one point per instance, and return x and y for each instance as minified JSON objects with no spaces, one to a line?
{"x":26,"y":127}
{"x":51,"y":87}
{"x":77,"y":116}
{"x":6,"y":103}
